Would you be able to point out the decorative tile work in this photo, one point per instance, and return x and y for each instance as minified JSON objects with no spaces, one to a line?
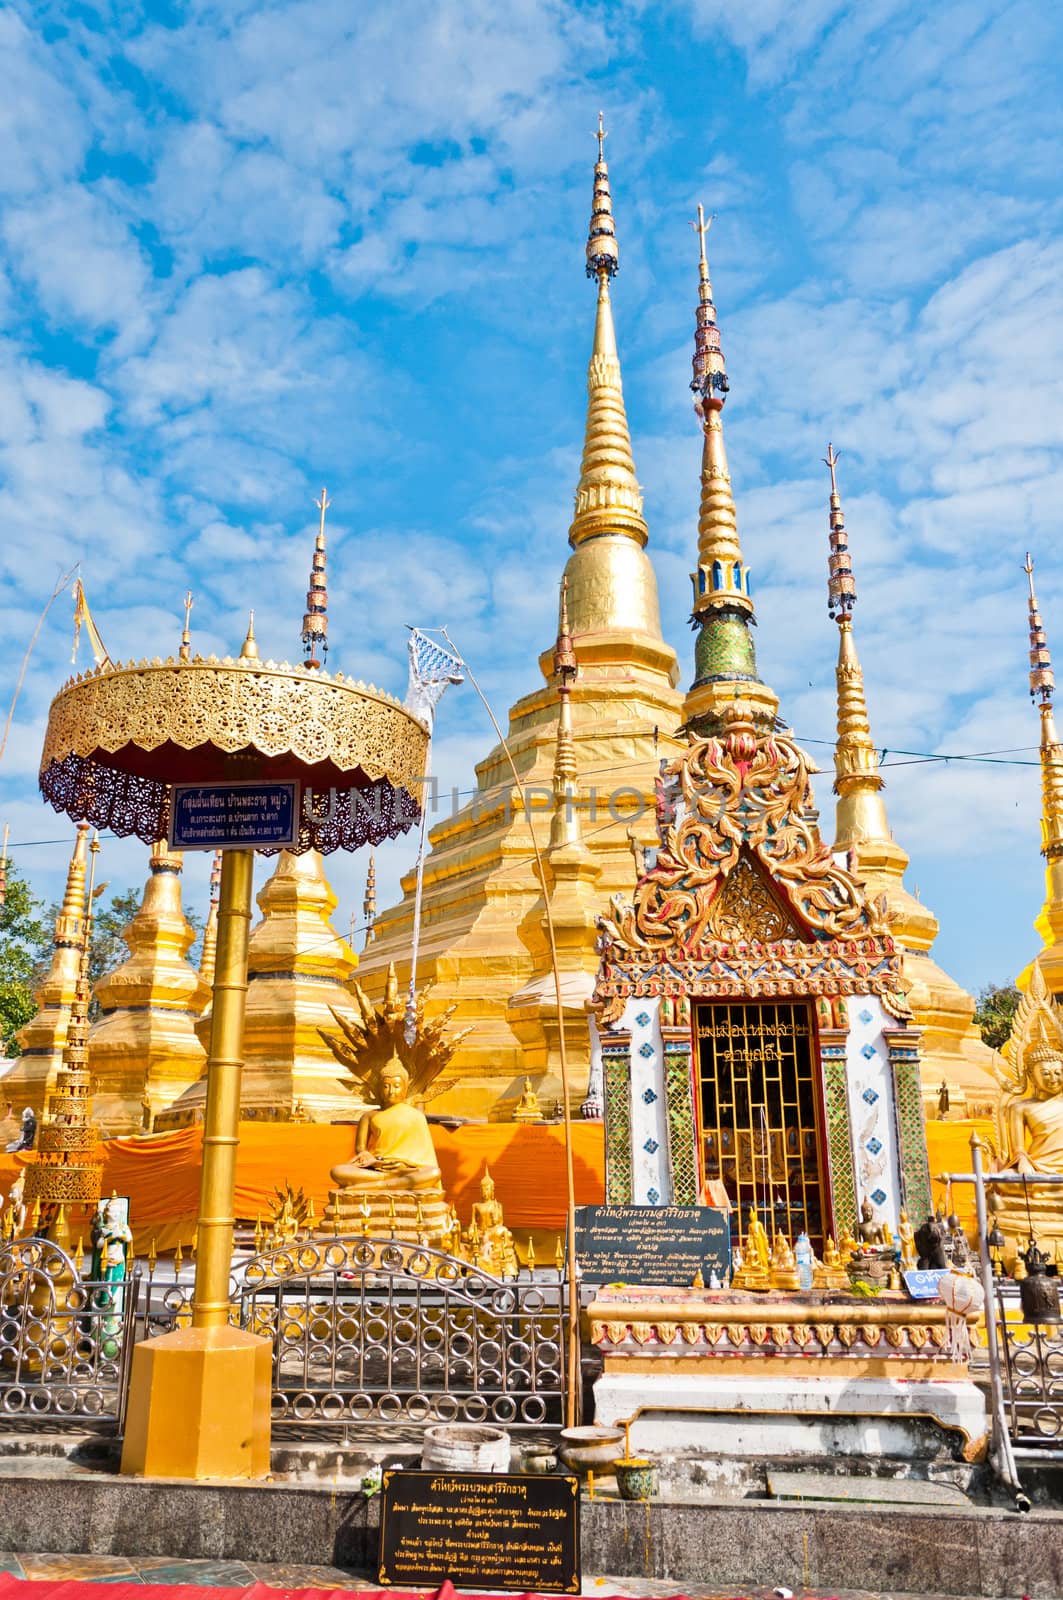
{"x":652,"y":1196}
{"x":879,"y":1196}
{"x":682,"y":1156}
{"x":839,"y":1133}
{"x":868,"y":1052}
{"x":643,"y":1019}
{"x":874,"y":1145}
{"x":865,"y":1016}
{"x":903,"y":1047}
{"x":650,"y":1146}
{"x":649,"y":1096}
{"x":616,"y":1068}
{"x":646,"y":1050}
{"x":870,"y":1095}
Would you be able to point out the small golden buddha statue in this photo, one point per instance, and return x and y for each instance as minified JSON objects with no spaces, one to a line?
{"x":496,"y":1252}
{"x":285,"y":1223}
{"x":906,"y":1234}
{"x":394,"y":1170}
{"x":755,"y":1271}
{"x":784,"y":1274}
{"x":528,"y":1108}
{"x":830,"y":1273}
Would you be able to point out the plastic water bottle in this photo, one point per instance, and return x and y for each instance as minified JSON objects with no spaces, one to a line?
{"x":804,"y":1258}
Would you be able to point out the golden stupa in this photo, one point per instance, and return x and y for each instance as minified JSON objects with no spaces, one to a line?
{"x":143,"y":1050}
{"x":953,"y":1050}
{"x":1049,"y":923}
{"x":482,"y":941}
{"x":42,"y":1041}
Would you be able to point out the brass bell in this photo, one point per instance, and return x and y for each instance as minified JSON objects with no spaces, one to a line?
{"x":1038,"y":1293}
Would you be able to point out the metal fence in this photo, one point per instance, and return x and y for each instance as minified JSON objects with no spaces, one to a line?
{"x":1033,"y":1379}
{"x":376,"y":1333}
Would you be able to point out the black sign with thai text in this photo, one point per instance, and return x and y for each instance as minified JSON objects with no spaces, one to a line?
{"x":480,"y":1530}
{"x":663,"y":1245}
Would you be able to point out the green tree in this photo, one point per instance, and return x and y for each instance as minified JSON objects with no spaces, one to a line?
{"x":995,"y":1012}
{"x":24,"y":933}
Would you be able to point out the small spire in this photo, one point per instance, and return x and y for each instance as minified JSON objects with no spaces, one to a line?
{"x":70,"y":920}
{"x":250,"y":648}
{"x":315,"y":621}
{"x":608,"y":497}
{"x":208,"y":954}
{"x":185,"y":652}
{"x":723,"y":610}
{"x":369,"y":902}
{"x":564,"y":827}
{"x":1042,"y":687}
{"x":857,"y":780}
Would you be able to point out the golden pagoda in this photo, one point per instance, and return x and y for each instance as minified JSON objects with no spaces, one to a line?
{"x":42,"y":1041}
{"x":953,"y":1050}
{"x":482,"y":942}
{"x":67,"y":1166}
{"x":143,"y":1047}
{"x":209,"y":947}
{"x":1049,"y":923}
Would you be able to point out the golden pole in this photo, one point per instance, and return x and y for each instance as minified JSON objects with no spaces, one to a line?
{"x":573,"y":1385}
{"x":210,"y":1297}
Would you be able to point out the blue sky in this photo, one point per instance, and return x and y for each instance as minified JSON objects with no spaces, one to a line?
{"x":247,"y":249}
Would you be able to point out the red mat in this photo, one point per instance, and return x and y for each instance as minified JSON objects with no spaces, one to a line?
{"x":12,"y":1588}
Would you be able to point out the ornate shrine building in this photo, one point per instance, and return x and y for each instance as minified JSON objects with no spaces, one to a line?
{"x":757,"y":1044}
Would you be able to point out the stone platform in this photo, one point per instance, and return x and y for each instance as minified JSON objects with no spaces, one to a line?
{"x":736,"y":1544}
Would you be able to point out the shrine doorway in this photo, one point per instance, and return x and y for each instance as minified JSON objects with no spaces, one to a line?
{"x":760,"y":1114}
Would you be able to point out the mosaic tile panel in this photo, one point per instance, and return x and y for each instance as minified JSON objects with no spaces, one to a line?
{"x":908,"y":1110}
{"x":682,"y":1155}
{"x":616,"y":1068}
{"x":839,"y":1134}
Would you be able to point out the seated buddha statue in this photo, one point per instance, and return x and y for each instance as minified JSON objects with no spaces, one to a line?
{"x":394,"y":1170}
{"x":493,"y":1241}
{"x":528,"y":1108}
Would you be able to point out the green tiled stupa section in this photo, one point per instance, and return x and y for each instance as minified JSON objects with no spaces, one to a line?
{"x":724,"y":649}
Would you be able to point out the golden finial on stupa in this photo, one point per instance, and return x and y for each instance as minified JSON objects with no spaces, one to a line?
{"x":857,"y":779}
{"x":608,"y":497}
{"x":369,"y":902}
{"x":185,"y":650}
{"x":249,"y":652}
{"x":315,"y":620}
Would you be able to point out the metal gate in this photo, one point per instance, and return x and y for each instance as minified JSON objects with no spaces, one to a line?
{"x":1033,"y":1381}
{"x":65,"y":1345}
{"x":382,"y":1333}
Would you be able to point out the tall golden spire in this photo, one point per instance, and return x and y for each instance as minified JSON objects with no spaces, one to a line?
{"x":315,"y":621}
{"x":608,"y":497}
{"x":724,"y":656}
{"x":1049,"y":923}
{"x":857,"y":780}
{"x":209,"y":949}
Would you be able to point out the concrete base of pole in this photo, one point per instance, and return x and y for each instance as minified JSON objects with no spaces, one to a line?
{"x":199,"y":1406}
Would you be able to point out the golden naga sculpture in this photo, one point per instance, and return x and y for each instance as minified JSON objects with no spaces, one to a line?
{"x":393,"y":1180}
{"x":365,"y":1046}
{"x":740,"y":798}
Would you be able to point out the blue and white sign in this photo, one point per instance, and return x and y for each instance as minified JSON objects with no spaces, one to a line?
{"x":923,"y":1283}
{"x":234,"y":816}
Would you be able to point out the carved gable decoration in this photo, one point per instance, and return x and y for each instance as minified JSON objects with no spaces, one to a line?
{"x":730,"y":798}
{"x":746,"y":907}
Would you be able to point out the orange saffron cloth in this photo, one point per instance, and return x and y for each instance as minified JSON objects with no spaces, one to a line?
{"x":160,"y":1172}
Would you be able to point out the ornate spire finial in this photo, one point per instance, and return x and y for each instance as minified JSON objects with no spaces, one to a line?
{"x":1042,"y":678}
{"x":602,"y":136}
{"x":369,"y":902}
{"x":608,"y":497}
{"x":315,"y":622}
{"x":565,"y":826}
{"x":841,"y":584}
{"x":723,"y":610}
{"x":857,"y":779}
{"x":250,"y":648}
{"x":185,"y":652}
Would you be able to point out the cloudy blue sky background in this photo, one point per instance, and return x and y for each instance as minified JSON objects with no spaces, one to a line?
{"x":249,"y":248}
